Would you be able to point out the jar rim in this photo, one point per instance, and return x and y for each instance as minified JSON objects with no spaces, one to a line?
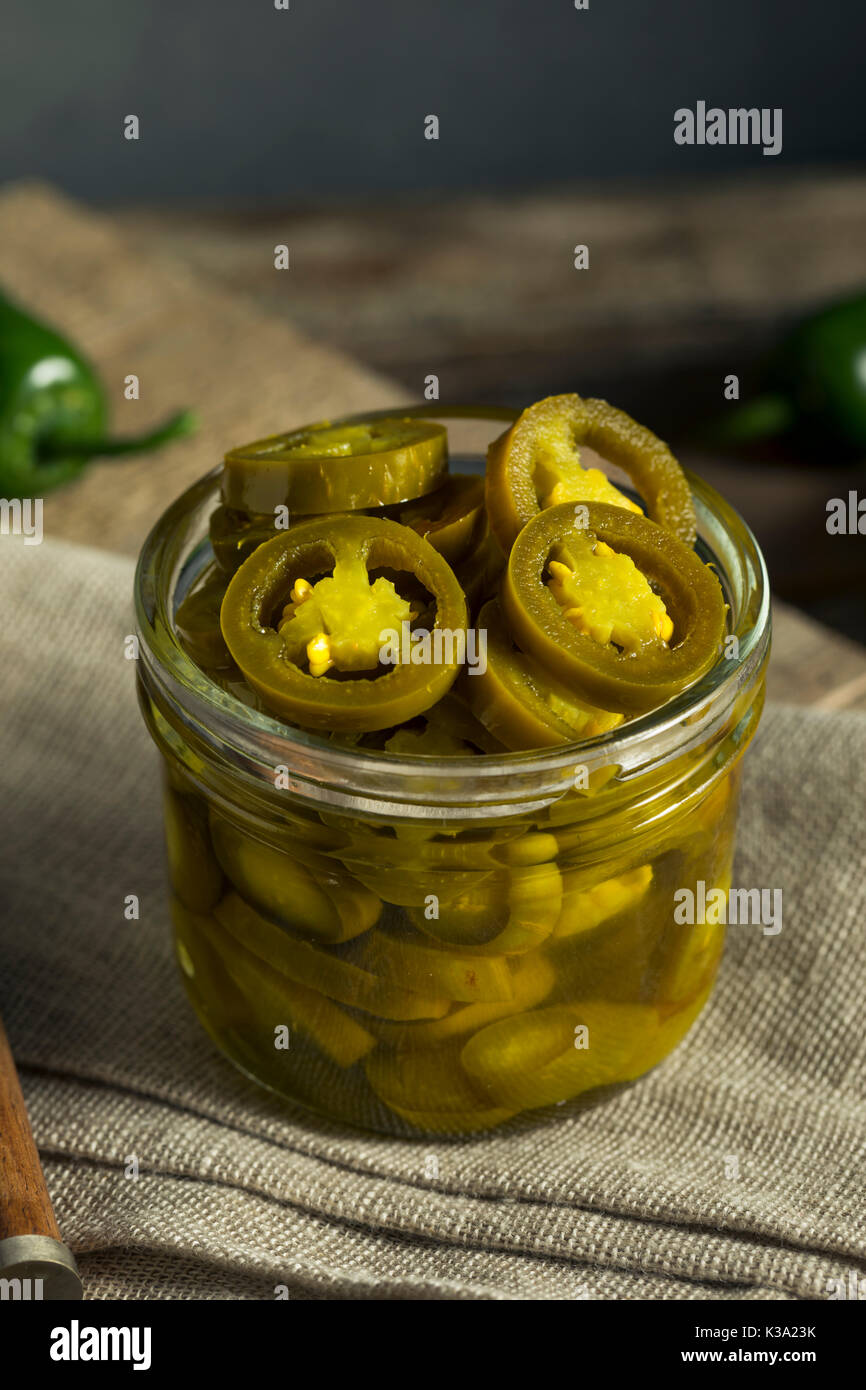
{"x":392,"y":784}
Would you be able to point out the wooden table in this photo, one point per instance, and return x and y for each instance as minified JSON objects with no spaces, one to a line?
{"x":685,"y":284}
{"x":480,"y":291}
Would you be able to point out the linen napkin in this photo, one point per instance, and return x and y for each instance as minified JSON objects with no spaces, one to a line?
{"x":733,"y":1171}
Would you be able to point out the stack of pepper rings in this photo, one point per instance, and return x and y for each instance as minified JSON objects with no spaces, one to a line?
{"x":594,"y":608}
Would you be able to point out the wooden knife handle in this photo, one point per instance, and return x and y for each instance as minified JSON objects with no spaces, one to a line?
{"x":34,"y":1262}
{"x":25,"y":1207}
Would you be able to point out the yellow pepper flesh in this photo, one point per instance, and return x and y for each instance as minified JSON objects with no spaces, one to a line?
{"x":341,"y":620}
{"x":604,"y":595}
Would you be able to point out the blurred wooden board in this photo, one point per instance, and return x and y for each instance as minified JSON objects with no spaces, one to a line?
{"x":482,"y":289}
{"x":812,"y":665}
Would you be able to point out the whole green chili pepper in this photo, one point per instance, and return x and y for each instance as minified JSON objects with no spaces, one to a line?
{"x":815,"y":385}
{"x":53,"y":415}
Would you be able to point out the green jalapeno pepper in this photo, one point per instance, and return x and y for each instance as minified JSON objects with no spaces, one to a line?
{"x":452,"y":519}
{"x":585,"y":908}
{"x":206,"y":977}
{"x":275,"y":1000}
{"x":692,"y":956}
{"x":453,"y":718}
{"x":235,"y":535}
{"x":532,"y":979}
{"x":814,"y":388}
{"x":339,"y":467}
{"x":448,"y":729}
{"x":259,"y":992}
{"x":341,"y":622}
{"x":529,"y":1060}
{"x":421,"y":966}
{"x":625,"y":665}
{"x":52,"y":410}
{"x":480,"y":570}
{"x":534,"y":1059}
{"x":193,"y":870}
{"x":535,"y":464}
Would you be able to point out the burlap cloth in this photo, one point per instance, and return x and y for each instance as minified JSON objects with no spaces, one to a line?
{"x":735,"y":1170}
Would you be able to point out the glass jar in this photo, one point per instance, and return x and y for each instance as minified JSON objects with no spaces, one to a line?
{"x":435,"y":946}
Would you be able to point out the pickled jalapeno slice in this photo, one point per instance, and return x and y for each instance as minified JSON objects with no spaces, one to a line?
{"x":314,"y":650}
{"x":452,"y":518}
{"x":193,"y":870}
{"x":505,"y":913}
{"x":522,"y":706}
{"x":277,"y":999}
{"x":337,"y":467}
{"x":558,"y":1051}
{"x":619,"y":609}
{"x":584,"y":908}
{"x":449,"y":729}
{"x":235,"y":535}
{"x":532,"y":979}
{"x":307,"y":891}
{"x":198,"y":624}
{"x":536,"y":464}
{"x":316,"y":968}
{"x":479,"y":572}
{"x":431,"y":1090}
{"x":460,"y":975}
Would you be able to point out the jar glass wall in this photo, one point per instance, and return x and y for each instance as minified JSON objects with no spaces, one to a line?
{"x":434,"y":946}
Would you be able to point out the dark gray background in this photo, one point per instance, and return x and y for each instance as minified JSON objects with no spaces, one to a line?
{"x":238,"y":100}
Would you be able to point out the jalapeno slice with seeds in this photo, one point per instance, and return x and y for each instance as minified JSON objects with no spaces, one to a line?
{"x":274,"y":620}
{"x":536,"y":463}
{"x":339,"y":467}
{"x":644,"y":669}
